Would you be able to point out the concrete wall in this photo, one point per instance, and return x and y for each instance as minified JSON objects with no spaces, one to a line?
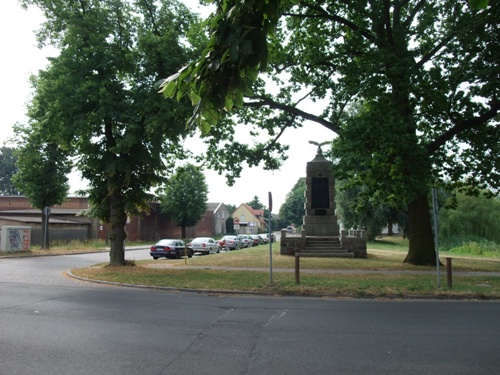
{"x":355,"y":242}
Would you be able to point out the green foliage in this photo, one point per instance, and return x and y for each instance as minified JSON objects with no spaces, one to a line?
{"x":184,"y":198}
{"x":356,"y":211}
{"x":230,"y":225}
{"x":234,"y":55}
{"x":479,"y":4}
{"x":424,"y":76}
{"x":292,"y":211}
{"x":470,"y":247}
{"x":7,"y":170}
{"x":230,"y":208}
{"x":42,"y":168}
{"x":256,"y":204}
{"x":472,"y":219}
{"x":98,"y":101}
{"x":380,"y":156}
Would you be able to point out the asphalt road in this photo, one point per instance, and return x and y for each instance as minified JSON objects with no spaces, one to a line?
{"x":52,"y":324}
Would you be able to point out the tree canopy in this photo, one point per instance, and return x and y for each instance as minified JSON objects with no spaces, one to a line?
{"x":470,"y":217}
{"x":42,"y":169}
{"x":422,"y":76}
{"x":357,"y":211}
{"x":292,"y":211}
{"x":185,"y":196}
{"x":98,"y":100}
{"x":7,"y":170}
{"x":256,"y":204}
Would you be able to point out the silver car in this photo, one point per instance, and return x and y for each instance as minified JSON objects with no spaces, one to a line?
{"x":204,"y":245}
{"x":230,"y":242}
{"x":264,"y":238}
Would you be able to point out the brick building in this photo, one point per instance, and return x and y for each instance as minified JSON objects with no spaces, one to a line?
{"x":153,"y":225}
{"x":68,"y":221}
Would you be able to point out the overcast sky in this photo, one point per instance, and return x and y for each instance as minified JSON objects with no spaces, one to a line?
{"x":21,"y":58}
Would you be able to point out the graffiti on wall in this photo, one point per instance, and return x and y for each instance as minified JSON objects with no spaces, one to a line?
{"x":19,"y":239}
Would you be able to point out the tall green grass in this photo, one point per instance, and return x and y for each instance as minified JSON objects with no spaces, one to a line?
{"x":479,"y":247}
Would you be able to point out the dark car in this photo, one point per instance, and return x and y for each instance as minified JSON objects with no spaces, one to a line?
{"x":169,"y":248}
{"x":230,"y":243}
{"x":256,"y":240}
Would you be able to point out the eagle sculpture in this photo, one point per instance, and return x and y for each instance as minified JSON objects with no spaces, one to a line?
{"x":319,"y":152}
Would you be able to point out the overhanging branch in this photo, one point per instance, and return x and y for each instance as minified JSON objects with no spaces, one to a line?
{"x":262,"y":102}
{"x":464,"y":125}
{"x":322,"y":13}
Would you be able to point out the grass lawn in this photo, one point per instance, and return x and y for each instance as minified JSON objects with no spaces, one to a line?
{"x":353,"y":281}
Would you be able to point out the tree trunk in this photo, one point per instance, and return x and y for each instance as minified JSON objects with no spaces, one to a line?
{"x":45,"y":230}
{"x":390,"y":232}
{"x":118,"y":219}
{"x":183,"y":226}
{"x":421,"y":250}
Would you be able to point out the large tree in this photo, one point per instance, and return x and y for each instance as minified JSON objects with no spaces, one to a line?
{"x":184,"y":198}
{"x":98,"y":98}
{"x":425,"y":73}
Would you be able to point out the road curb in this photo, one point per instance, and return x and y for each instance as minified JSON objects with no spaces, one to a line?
{"x":281,"y":295}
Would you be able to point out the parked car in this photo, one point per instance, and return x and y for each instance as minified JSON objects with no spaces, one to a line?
{"x":204,"y":245}
{"x":230,"y":243}
{"x":245,"y":240}
{"x":169,"y":248}
{"x":256,"y":240}
{"x":264,"y":238}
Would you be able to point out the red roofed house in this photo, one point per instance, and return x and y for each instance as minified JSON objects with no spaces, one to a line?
{"x":250,"y":221}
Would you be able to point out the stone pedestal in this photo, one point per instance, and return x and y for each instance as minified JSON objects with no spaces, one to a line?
{"x":320,"y":218}
{"x":320,"y":235}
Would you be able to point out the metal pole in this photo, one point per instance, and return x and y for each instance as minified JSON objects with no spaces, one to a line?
{"x":435,"y":208}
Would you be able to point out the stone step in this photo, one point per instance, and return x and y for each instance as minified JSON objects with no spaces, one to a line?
{"x":322,"y":240}
{"x":323,"y":250}
{"x":324,"y":246}
{"x":323,"y":243}
{"x":326,"y":255}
